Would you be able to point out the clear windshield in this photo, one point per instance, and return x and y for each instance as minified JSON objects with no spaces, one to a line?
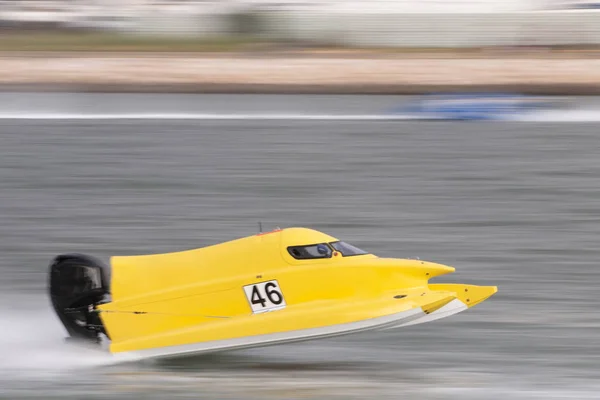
{"x":321,"y":250}
{"x":347,"y":249}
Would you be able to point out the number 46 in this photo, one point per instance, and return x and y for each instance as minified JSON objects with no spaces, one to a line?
{"x":264,"y":296}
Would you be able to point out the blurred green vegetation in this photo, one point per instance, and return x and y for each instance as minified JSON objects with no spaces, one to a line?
{"x":246,"y":39}
{"x":117,"y":42}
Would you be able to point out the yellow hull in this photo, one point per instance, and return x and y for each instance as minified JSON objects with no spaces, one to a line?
{"x":253,"y":292}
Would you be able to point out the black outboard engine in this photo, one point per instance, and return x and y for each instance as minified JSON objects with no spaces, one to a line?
{"x":77,"y":284}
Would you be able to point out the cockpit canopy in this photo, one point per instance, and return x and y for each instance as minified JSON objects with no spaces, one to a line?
{"x":324,"y":250}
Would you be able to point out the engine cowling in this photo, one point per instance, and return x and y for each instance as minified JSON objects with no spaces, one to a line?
{"x":77,"y":284}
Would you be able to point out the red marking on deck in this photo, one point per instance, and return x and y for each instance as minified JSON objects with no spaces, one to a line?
{"x":266,"y":233}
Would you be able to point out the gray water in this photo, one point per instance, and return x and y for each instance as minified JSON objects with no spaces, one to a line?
{"x":515,"y":205}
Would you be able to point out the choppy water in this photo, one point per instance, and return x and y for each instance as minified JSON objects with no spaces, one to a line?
{"x":510,"y":204}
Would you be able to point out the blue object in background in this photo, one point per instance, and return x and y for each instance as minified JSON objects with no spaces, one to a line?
{"x":477,"y":106}
{"x":592,"y":5}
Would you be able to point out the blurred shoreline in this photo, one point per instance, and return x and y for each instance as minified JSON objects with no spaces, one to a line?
{"x":352,"y":47}
{"x":327,"y":71}
{"x":107,"y":62}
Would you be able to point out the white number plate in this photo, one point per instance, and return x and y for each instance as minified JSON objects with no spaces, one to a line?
{"x":264,"y":296}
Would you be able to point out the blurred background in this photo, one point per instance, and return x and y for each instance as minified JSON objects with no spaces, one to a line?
{"x":377,"y":23}
{"x":463,"y":132}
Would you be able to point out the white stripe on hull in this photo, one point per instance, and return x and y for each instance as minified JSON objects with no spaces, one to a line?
{"x":272,"y":338}
{"x":406,"y":318}
{"x":454,"y":307}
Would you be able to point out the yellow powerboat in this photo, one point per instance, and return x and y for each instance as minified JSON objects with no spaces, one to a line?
{"x":281,"y":286}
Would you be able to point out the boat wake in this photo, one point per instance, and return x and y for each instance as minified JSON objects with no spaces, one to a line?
{"x":582,"y":115}
{"x":551,"y":115}
{"x":32,"y":343}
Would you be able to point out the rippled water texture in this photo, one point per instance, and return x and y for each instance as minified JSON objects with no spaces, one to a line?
{"x":510,"y":204}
